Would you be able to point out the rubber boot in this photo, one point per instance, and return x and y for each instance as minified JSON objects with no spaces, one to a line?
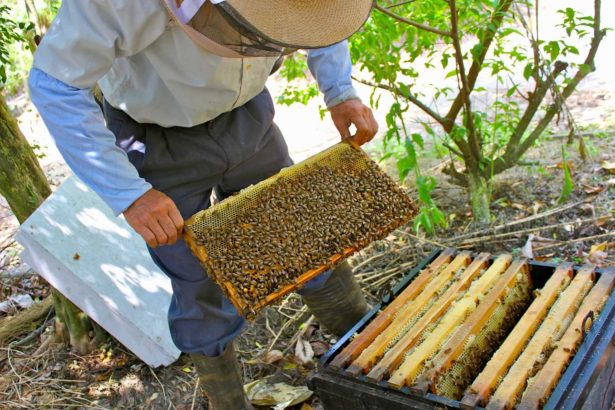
{"x":220,"y":378}
{"x":339,"y":304}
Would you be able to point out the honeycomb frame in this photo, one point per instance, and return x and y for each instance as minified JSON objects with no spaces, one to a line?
{"x":345,"y":160}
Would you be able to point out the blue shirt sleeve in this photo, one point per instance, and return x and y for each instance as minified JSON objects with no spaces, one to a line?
{"x":76,"y":123}
{"x":332,"y":68}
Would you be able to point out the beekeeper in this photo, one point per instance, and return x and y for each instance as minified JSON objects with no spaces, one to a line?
{"x":186,"y":113}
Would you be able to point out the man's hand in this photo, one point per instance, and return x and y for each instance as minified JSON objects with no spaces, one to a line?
{"x":155,"y":217}
{"x":354,"y":112}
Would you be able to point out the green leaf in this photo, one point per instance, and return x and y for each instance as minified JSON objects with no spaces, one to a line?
{"x":386,"y":156}
{"x":528,"y":71}
{"x":451,"y":73}
{"x":322,"y":112}
{"x":426,"y":222}
{"x":552,"y":47}
{"x":444,"y":60}
{"x":438,"y":217}
{"x":428,"y":129}
{"x":404,"y":88}
{"x":418,"y":140}
{"x":290,"y":366}
{"x":404,"y":166}
{"x":568,"y":184}
{"x":425,"y":185}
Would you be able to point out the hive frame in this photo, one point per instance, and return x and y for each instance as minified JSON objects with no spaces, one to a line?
{"x":249,"y":310}
{"x":508,"y":352}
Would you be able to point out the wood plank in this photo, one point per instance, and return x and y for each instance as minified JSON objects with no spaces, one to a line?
{"x":454,"y":347}
{"x":414,"y":362}
{"x":545,"y":380}
{"x":566,"y":305}
{"x":394,"y":357}
{"x":386,"y":316}
{"x":374,"y":351}
{"x":505,"y":356}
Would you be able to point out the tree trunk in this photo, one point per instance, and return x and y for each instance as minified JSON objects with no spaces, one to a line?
{"x":23,"y":184}
{"x":479,"y":190}
{"x":34,"y":17}
{"x":72,"y":325}
{"x":22,"y":181}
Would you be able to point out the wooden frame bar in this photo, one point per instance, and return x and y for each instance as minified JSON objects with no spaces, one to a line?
{"x":394,"y":357}
{"x":385,"y":317}
{"x":454,"y":347}
{"x":505,"y":356}
{"x":545,"y":380}
{"x":513,"y":383}
{"x":414,"y":362}
{"x":376,"y":349}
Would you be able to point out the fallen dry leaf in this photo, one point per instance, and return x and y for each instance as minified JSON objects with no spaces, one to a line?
{"x":599,"y":247}
{"x":608,"y":166}
{"x":273,"y":356}
{"x":303,"y":351}
{"x":560,"y":165}
{"x":520,"y":207}
{"x":319,"y":347}
{"x":602,"y":220}
{"x":279,"y":395}
{"x":597,"y":254}
{"x":23,"y":301}
{"x":309,"y":332}
{"x":592,"y":190}
{"x":597,"y":258}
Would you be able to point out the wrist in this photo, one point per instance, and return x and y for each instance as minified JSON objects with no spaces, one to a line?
{"x":349,"y":94}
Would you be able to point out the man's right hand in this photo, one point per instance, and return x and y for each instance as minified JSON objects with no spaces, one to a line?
{"x":155,"y":217}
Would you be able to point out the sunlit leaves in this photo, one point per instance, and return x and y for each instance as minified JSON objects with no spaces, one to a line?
{"x":10,"y":31}
{"x":429,"y":216}
{"x":292,"y":94}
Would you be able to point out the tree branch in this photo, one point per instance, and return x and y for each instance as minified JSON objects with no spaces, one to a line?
{"x":473,"y":137}
{"x":457,"y":177}
{"x":410,"y":22}
{"x":463,"y":146}
{"x":410,"y":97}
{"x":453,"y":150}
{"x":401,"y":3}
{"x":485,"y":44}
{"x":510,"y":158}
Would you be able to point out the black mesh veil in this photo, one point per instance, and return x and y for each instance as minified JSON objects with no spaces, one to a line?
{"x":216,"y":23}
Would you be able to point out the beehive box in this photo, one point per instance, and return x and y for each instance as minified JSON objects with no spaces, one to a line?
{"x":273,"y":237}
{"x":466,"y":331}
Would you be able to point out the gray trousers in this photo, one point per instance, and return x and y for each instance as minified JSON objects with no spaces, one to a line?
{"x":223,"y":156}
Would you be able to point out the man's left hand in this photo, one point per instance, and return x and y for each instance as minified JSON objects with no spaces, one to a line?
{"x":354,"y":112}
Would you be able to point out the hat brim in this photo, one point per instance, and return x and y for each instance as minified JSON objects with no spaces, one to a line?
{"x":300,"y":23}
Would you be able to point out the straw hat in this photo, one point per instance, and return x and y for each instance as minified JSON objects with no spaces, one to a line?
{"x":300,"y":23}
{"x":287,"y":23}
